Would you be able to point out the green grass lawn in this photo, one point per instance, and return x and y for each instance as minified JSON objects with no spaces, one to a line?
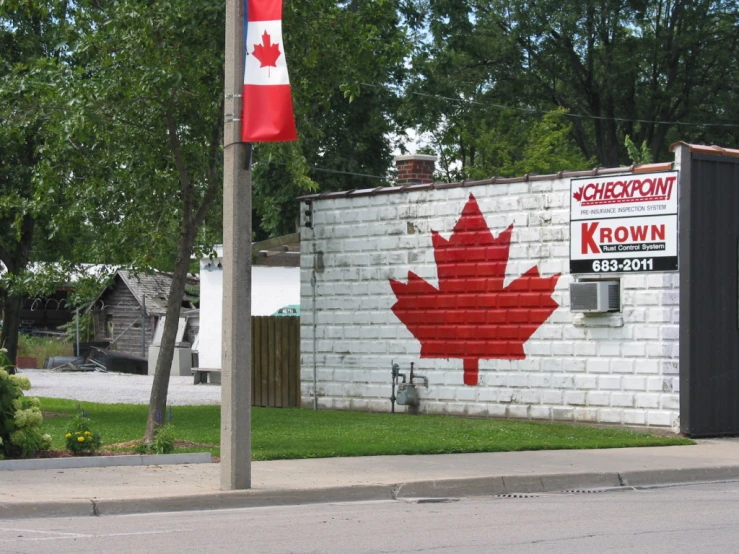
{"x":283,"y":433}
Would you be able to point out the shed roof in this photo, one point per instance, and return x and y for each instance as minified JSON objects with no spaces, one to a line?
{"x":155,"y":287}
{"x":283,"y":251}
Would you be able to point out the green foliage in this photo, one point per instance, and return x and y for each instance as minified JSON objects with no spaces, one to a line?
{"x":539,"y":147}
{"x":20,"y":417}
{"x":164,"y":440}
{"x":115,"y":88}
{"x":155,"y":71}
{"x":80,"y":437}
{"x":147,"y":118}
{"x":42,"y":348}
{"x":549,"y":148}
{"x":294,"y":433}
{"x":638,"y":155}
{"x":331,"y":49}
{"x":192,"y":292}
{"x":86,"y":328}
{"x":618,"y":68}
{"x":40,"y":182}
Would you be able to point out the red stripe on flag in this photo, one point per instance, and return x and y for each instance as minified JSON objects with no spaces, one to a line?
{"x":264,"y":10}
{"x":268,"y":114}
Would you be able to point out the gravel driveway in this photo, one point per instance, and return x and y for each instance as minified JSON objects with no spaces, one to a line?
{"x":116,"y":388}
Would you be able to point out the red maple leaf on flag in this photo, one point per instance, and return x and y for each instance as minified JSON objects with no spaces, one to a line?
{"x":267,"y":53}
{"x":471,"y":315}
{"x":578,"y":195}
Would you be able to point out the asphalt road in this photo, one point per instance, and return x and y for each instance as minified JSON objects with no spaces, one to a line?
{"x":694,"y":519}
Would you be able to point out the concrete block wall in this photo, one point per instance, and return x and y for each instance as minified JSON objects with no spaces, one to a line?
{"x":617,"y":368}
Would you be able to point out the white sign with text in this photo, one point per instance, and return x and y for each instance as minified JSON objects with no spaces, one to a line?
{"x":624,"y":223}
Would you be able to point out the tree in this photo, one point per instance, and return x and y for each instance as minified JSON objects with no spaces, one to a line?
{"x":638,"y":155}
{"x":618,"y":68}
{"x":652,"y":61}
{"x":148,"y":114}
{"x":548,"y":148}
{"x":465,"y":95}
{"x":145,"y":117}
{"x":33,"y":46}
{"x":139,"y":130}
{"x":334,"y":50}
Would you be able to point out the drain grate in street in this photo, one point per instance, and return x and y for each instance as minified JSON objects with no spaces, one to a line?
{"x":516,"y":496}
{"x":585,"y":491}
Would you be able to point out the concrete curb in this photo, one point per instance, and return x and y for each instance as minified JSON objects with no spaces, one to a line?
{"x":445,"y":488}
{"x":61,"y":508}
{"x":651,"y":477}
{"x":106,"y":461}
{"x":245,"y":499}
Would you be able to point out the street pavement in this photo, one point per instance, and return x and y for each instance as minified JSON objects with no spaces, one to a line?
{"x":683,"y":519}
{"x":165,"y":488}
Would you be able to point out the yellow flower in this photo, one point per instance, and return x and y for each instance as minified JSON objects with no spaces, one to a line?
{"x":88,"y":433}
{"x":67,"y":435}
{"x":81,"y":439}
{"x":78,"y":433}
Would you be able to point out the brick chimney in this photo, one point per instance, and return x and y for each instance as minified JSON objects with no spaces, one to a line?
{"x":415,"y":169}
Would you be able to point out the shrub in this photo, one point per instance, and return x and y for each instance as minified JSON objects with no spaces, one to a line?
{"x":163,"y":443}
{"x":42,"y":348}
{"x":80,"y":436}
{"x":20,"y":416}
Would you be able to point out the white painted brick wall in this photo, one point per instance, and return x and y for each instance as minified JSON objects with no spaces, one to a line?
{"x":614,"y":368}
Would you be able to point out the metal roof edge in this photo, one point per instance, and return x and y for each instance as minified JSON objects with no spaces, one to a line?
{"x":598,"y":171}
{"x":705,"y":149}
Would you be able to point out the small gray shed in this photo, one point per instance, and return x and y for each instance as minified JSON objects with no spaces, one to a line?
{"x":133,"y":300}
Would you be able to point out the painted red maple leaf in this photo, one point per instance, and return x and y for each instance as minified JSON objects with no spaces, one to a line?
{"x":578,"y":195}
{"x":267,"y":53}
{"x":472,"y":315}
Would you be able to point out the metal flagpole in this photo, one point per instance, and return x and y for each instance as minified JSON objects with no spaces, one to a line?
{"x":236,"y":333}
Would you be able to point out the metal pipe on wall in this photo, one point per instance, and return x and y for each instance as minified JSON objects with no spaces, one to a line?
{"x":315,"y":330}
{"x":78,"y":332}
{"x":143,"y":327}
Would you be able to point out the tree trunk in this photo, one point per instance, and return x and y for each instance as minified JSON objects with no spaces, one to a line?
{"x":15,"y":260}
{"x":11,"y":326}
{"x":160,"y":387}
{"x":192,"y":219}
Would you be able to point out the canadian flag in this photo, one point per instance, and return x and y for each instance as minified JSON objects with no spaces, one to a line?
{"x":268,"y":106}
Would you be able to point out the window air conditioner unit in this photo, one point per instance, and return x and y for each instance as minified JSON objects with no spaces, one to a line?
{"x":595,"y":296}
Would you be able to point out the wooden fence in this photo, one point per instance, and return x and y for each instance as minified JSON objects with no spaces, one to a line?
{"x":275,"y":361}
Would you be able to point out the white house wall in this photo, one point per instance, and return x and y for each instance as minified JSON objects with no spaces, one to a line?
{"x":610,"y":368}
{"x":211,"y":317}
{"x":272,"y":288}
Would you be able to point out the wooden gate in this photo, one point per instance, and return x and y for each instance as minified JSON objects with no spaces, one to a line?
{"x":275,"y":361}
